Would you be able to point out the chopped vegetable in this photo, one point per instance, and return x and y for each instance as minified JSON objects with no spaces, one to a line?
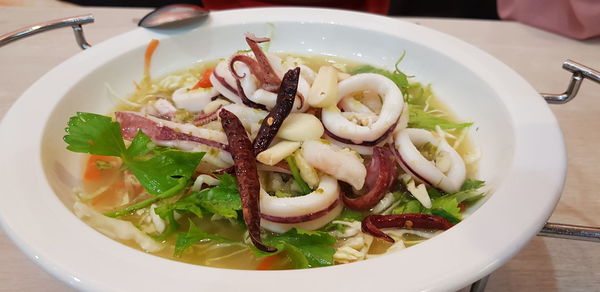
{"x":148,"y":57}
{"x":296,"y":174}
{"x":396,"y":76}
{"x":305,"y":249}
{"x":204,"y":82}
{"x":193,"y":236}
{"x":162,"y":172}
{"x":223,"y":200}
{"x":423,"y":120}
{"x":268,"y":262}
{"x":96,"y":166}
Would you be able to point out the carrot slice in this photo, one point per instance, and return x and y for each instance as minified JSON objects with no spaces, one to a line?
{"x":92,"y":172}
{"x":148,"y":55}
{"x":111,"y":197}
{"x":204,"y":82}
{"x":267,"y":263}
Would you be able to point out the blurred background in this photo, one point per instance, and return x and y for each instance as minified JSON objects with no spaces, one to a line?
{"x":481,"y":9}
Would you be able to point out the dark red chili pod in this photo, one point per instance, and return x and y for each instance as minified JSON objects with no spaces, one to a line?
{"x":372,"y":223}
{"x":246,"y":174}
{"x":283,"y":107}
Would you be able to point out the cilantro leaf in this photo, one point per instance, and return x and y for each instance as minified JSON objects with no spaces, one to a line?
{"x":445,"y":206}
{"x":410,"y":207}
{"x":469,"y":192}
{"x":140,"y":145}
{"x":448,"y":204}
{"x":166,"y":172}
{"x":94,"y":134}
{"x":472,"y":184}
{"x":162,"y":172}
{"x":396,"y":76}
{"x":193,"y":236}
{"x":305,"y":249}
{"x":417,"y":118}
{"x":350,"y":215}
{"x":445,"y":214}
{"x":223,"y":199}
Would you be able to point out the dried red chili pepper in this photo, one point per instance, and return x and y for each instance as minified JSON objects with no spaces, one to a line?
{"x":372,"y":223}
{"x":283,"y":107}
{"x":246,"y":174}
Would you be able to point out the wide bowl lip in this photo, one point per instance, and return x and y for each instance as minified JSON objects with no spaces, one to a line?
{"x":453,"y":273}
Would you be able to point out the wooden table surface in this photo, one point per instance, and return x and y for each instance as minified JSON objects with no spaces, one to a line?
{"x":545,"y":264}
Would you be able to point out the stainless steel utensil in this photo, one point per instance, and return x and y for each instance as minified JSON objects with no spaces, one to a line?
{"x":173,"y":16}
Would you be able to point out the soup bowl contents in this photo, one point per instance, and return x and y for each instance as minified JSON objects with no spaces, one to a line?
{"x":274,"y":161}
{"x":195,"y":197}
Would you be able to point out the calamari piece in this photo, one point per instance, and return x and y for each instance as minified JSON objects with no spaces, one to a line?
{"x":163,"y":130}
{"x":381,"y":173}
{"x":243,"y":87}
{"x":115,"y":228}
{"x":224,"y":82}
{"x":414,"y":163}
{"x":193,"y":100}
{"x":311,"y":211}
{"x":342,"y":164}
{"x":185,"y":137}
{"x":161,"y":108}
{"x":336,"y":124}
{"x":250,"y":118}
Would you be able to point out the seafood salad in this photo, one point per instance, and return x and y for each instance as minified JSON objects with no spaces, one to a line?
{"x":267,"y":161}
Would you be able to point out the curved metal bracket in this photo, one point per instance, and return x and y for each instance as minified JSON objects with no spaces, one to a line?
{"x":74,"y":22}
{"x":580,"y":72}
{"x":568,"y":231}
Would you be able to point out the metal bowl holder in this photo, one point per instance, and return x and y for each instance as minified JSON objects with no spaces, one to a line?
{"x":579,"y":73}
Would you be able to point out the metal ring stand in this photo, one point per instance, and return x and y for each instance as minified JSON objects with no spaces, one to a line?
{"x":580,"y":72}
{"x":559,"y":230}
{"x":75,"y":22}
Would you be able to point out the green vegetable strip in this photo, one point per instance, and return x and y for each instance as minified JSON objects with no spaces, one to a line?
{"x":145,"y":203}
{"x":131,"y":208}
{"x":296,"y":174}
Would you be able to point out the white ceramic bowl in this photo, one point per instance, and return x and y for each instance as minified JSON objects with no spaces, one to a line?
{"x":524,"y":159}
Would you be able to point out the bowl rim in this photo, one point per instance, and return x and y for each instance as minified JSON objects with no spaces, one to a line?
{"x":532,"y":146}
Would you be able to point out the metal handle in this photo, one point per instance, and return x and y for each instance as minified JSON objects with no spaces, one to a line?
{"x":580,"y":72}
{"x":74,"y":22}
{"x":568,"y":231}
